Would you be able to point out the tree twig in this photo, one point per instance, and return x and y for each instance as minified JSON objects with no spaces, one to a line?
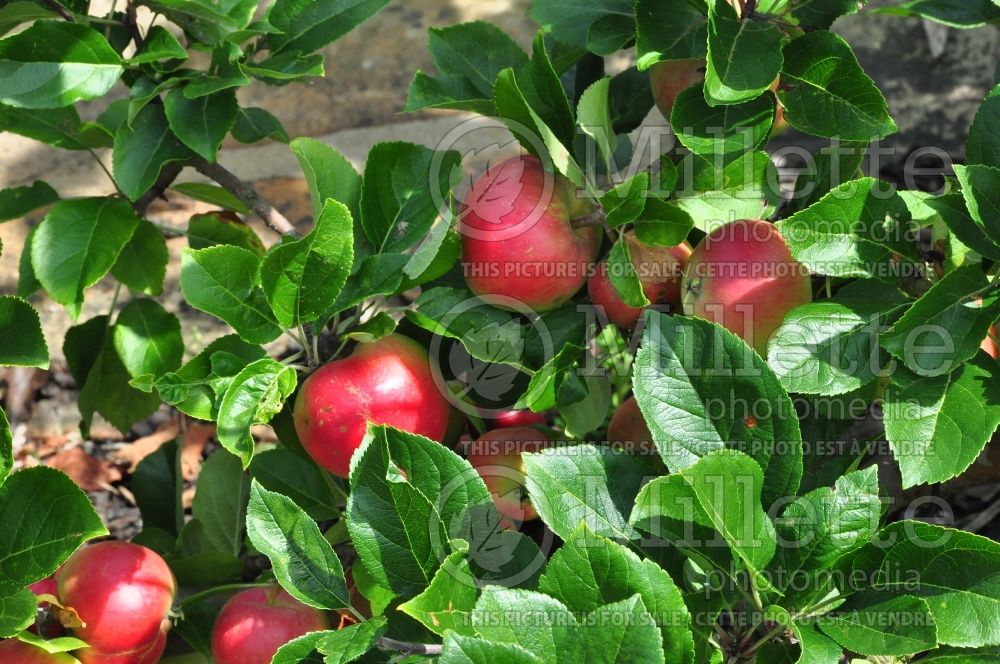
{"x":749,"y":8}
{"x":166,"y":178}
{"x":248,"y":195}
{"x":133,"y":26}
{"x":408,"y":648}
{"x":58,"y":8}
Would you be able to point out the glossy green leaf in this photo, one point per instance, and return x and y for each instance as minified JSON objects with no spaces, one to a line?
{"x":304,"y":562}
{"x":225,"y":281}
{"x":46,"y":517}
{"x":721,"y":133}
{"x":350,"y":643}
{"x":460,"y":649}
{"x":255,"y":395}
{"x":446,"y":605}
{"x":254,"y":124}
{"x":148,"y":339}
{"x":308,"y":26}
{"x":220,"y":502}
{"x":56,"y":63}
{"x":141,"y":150}
{"x":283,"y":471}
{"x":535,"y":622}
{"x":142,"y":263}
{"x":301,"y":277}
{"x":744,"y":57}
{"x":622,"y":632}
{"x":878,"y":625}
{"x":658,"y":36}
{"x":78,"y":242}
{"x":329,"y":175}
{"x":201,"y":123}
{"x":682,"y":370}
{"x":17,"y":611}
{"x":159,"y":44}
{"x":24,"y":343}
{"x":18,"y":201}
{"x":572,"y":22}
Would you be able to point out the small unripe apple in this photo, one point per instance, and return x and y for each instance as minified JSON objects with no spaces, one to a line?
{"x":659,"y":270}
{"x":496,"y":456}
{"x":518,"y":418}
{"x":518,"y":242}
{"x":743,"y":277}
{"x":13,"y":651}
{"x":122,"y":592}
{"x":389,"y":381}
{"x":254,"y":623}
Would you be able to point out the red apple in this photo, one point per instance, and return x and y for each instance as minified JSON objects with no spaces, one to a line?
{"x":388,"y":382}
{"x":518,"y":418}
{"x":517,"y":240}
{"x":743,"y":277}
{"x":13,"y":651}
{"x":659,"y":270}
{"x":254,"y":623}
{"x":496,"y":456}
{"x":122,"y":593}
{"x":989,"y":343}
{"x":628,"y":430}
{"x":670,"y":78}
{"x":145,"y":654}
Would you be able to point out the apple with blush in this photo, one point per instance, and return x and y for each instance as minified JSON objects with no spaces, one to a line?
{"x":520,"y":248}
{"x":255,"y":622}
{"x":13,"y":651}
{"x":496,"y":456}
{"x":389,"y":381}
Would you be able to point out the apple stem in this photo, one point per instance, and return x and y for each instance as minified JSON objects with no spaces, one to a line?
{"x":408,"y":648}
{"x":593,"y":219}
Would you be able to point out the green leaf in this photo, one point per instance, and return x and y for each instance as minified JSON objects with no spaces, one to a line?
{"x":823,"y":526}
{"x":682,"y":370}
{"x":16,"y":202}
{"x":622,"y":632}
{"x":589,"y":413}
{"x":721,"y":133}
{"x":949,"y":655}
{"x":13,"y":14}
{"x":254,"y":124}
{"x":329,"y":175}
{"x":627,"y":200}
{"x":671,"y":30}
{"x":820,"y":14}
{"x":56,"y":63}
{"x":528,"y":126}
{"x":832,"y":166}
{"x":826,"y":93}
{"x":590,"y":571}
{"x":468,"y":57}
{"x":220,"y":503}
{"x":593,"y":115}
{"x":285,"y":472}
{"x":207,"y":22}
{"x":446,"y":605}
{"x":744,"y":57}
{"x":286,"y":67}
{"x":6,"y":447}
{"x":142,"y":263}
{"x":945,"y":327}
{"x":197,"y":388}
{"x":78,"y":242}
{"x":201,"y":123}
{"x":953,"y":13}
{"x":224,"y":281}
{"x":53,"y":646}
{"x":148,"y":339}
{"x":24,"y":344}
{"x":301,"y":277}
{"x":536,"y":622}
{"x":142,"y":148}
{"x":571,"y":21}
{"x":852,"y":231}
{"x":621,"y":272}
{"x":397,"y":206}
{"x":46,"y":517}
{"x":222,"y":228}
{"x":983,"y":145}
{"x":255,"y":395}
{"x":308,"y":26}
{"x":727,"y":487}
{"x":663,"y":223}
{"x":157,"y":487}
{"x":350,"y":643}
{"x":954,"y":213}
{"x":380,"y":274}
{"x":300,"y":650}
{"x":938,"y":426}
{"x":875,"y":625}
{"x":304,"y":562}
{"x":60,"y":127}
{"x":159,"y":44}
{"x":406,"y":493}
{"x":17,"y":611}
{"x":981,"y":189}
{"x":212,"y":194}
{"x":570,"y":485}
{"x":460,"y":649}
{"x":954,"y":572}
{"x":831,"y":346}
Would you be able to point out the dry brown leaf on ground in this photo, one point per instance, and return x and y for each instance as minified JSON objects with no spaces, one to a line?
{"x":195,"y":438}
{"x":140,"y":448}
{"x":90,"y":473}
